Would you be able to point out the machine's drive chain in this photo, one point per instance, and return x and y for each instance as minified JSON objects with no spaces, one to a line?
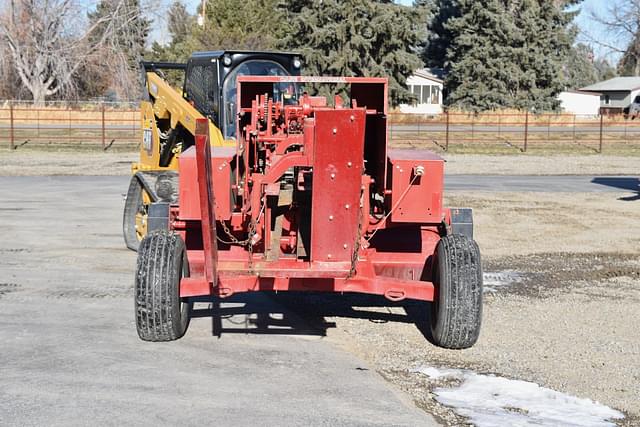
{"x":246,"y":242}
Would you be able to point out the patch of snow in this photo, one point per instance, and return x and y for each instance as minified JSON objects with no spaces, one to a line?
{"x":491,"y":281}
{"x":491,"y":401}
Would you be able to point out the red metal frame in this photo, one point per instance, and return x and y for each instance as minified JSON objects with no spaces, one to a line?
{"x":346,"y":226}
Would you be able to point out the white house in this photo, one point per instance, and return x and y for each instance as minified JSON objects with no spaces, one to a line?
{"x":616,"y":94}
{"x":427,"y":87}
{"x":580,"y":103}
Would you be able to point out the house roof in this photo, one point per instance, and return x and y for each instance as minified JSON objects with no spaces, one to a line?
{"x":430,"y":74}
{"x":616,"y":84}
{"x":582,"y":92}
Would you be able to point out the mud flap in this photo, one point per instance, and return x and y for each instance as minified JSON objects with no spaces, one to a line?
{"x":462,"y":221}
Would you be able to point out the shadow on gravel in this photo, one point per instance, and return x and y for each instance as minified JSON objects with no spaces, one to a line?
{"x":306,"y":313}
{"x":623,"y":183}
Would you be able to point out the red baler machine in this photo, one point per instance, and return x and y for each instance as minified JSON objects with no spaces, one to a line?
{"x":311,"y":198}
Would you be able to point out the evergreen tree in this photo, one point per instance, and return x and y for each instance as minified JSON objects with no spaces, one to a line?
{"x":179,"y":22}
{"x":180,"y":25}
{"x":440,"y":36}
{"x":357,"y":38}
{"x":249,"y":25}
{"x":579,"y":68}
{"x":507,"y":54}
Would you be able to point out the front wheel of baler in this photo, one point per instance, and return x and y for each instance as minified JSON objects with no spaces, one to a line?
{"x":161,"y":315}
{"x":456,"y":313}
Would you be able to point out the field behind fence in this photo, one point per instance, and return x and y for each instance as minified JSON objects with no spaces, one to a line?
{"x":109,"y":125}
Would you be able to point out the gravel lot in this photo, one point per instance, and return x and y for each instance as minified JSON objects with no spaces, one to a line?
{"x":33,"y":161}
{"x":570,"y":324}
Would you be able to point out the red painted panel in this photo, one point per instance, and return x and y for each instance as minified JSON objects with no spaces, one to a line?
{"x":205,"y":190}
{"x":337,"y":177}
{"x":416,"y":198}
{"x":221,"y":176}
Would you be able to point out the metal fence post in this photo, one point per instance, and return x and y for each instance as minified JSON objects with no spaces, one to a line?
{"x":446,"y":143}
{"x":473,"y":130}
{"x":601,"y":130}
{"x":104,"y":137}
{"x":526,"y":130}
{"x":11,"y":130}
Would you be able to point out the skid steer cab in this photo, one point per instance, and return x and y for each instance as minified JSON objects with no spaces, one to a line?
{"x":309,"y":198}
{"x":169,"y":118}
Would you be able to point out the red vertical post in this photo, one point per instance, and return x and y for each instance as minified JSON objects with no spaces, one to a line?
{"x":11,"y":130}
{"x":205,"y":190}
{"x":601,"y":130}
{"x":526,"y":130}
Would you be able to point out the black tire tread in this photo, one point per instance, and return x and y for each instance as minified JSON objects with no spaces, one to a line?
{"x":132,"y":205}
{"x":458,"y":316}
{"x":159,"y":313}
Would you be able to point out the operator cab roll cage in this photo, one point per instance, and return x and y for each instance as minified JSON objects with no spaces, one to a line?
{"x":210,"y":79}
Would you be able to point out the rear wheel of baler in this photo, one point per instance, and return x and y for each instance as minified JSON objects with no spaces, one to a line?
{"x":456,"y":312}
{"x":161,"y":315}
{"x":134,"y":220}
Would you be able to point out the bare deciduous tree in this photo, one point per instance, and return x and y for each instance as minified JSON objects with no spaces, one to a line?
{"x":622,"y":22}
{"x":47,"y":46}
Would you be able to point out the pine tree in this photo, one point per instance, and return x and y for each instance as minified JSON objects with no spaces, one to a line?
{"x":357,"y":38}
{"x":440,"y":37}
{"x":508,"y":54}
{"x":247,"y":24}
{"x":579,"y":68}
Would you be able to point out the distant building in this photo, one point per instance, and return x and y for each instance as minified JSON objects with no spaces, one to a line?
{"x":580,"y":103}
{"x":616,"y":94}
{"x":426,"y":84}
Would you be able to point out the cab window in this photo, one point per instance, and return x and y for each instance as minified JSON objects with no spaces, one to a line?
{"x":250,"y":68}
{"x":202,"y":88}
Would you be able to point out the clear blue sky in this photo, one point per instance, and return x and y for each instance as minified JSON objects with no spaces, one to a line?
{"x":588,"y":28}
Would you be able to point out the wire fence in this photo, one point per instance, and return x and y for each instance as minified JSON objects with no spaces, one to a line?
{"x":106,"y":124}
{"x":522,"y":131}
{"x":100,"y":124}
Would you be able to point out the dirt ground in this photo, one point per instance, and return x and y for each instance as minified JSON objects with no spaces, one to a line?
{"x":570,"y":323}
{"x":27,"y":161}
{"x":32,"y":162}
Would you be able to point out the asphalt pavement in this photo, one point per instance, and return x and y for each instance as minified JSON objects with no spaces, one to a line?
{"x":546,"y":183}
{"x":69,"y":353}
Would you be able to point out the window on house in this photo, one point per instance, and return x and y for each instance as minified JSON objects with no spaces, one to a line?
{"x":415,"y":89}
{"x":426,"y":94}
{"x":605,"y":99}
{"x":435,"y":94}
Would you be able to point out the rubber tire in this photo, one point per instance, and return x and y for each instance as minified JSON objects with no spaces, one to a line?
{"x":161,"y":315}
{"x":132,"y":206}
{"x":456,"y":313}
